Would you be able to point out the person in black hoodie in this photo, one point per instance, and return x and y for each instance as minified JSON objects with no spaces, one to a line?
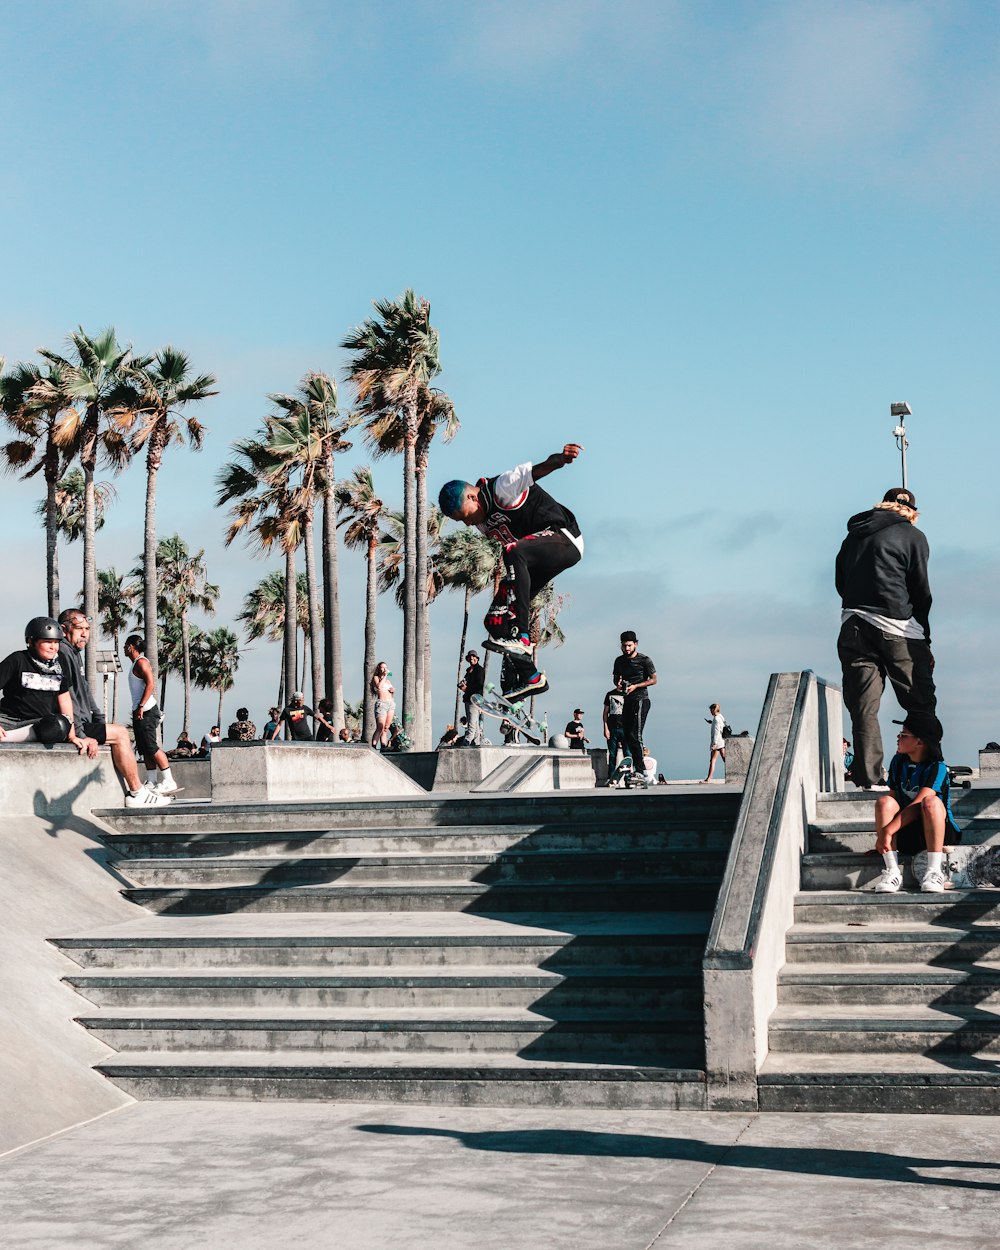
{"x":885,"y":630}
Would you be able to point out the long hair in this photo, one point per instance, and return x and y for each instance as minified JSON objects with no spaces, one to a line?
{"x":373,"y":684}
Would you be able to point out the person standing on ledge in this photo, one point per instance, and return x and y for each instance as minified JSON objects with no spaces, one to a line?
{"x":540,"y":539}
{"x":881,"y":577}
{"x":146,"y":717}
{"x":636,"y":673}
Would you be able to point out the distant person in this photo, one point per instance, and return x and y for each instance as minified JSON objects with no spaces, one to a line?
{"x":637,"y":673}
{"x":916,"y":813}
{"x":324,"y":730}
{"x":344,"y":735}
{"x":449,"y":737}
{"x":574,"y":731}
{"x":296,"y":717}
{"x":473,"y":683}
{"x":89,"y":720}
{"x":384,"y":694}
{"x":717,"y":742}
{"x":648,"y":766}
{"x":848,"y":760}
{"x":508,"y":732}
{"x":273,"y":726}
{"x":146,"y":717}
{"x":242,"y":729}
{"x":614,"y":723}
{"x":184,"y":749}
{"x":885,"y":629}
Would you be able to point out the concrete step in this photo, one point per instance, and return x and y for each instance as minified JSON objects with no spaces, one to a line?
{"x":902,"y":984}
{"x":827,"y":838}
{"x":877,"y":942}
{"x":642,"y":940}
{"x":682,"y":834}
{"x":849,"y":871}
{"x":911,"y":1028}
{"x":939,"y":1084}
{"x":695,"y":894}
{"x":462,"y":1080}
{"x":597,"y":990}
{"x":510,"y":867}
{"x":560,"y":807}
{"x":950,"y":908}
{"x":634,"y":1037}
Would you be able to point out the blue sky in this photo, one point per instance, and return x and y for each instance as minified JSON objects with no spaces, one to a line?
{"x":712,"y":242}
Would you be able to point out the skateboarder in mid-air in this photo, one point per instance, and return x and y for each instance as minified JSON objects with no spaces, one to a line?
{"x":540,"y":538}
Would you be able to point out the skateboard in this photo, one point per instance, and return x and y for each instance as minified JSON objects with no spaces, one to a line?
{"x":492,"y":703}
{"x":625,"y":776}
{"x":966,"y":867}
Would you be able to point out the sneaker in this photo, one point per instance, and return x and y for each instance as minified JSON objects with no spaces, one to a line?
{"x":932,"y":882}
{"x":147,"y":797}
{"x":166,"y":787}
{"x":510,"y":646}
{"x":536,"y":684}
{"x":889,"y":882}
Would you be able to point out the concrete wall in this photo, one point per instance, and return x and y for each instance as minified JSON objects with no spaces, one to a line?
{"x":289,"y":771}
{"x":55,"y":883}
{"x":797,"y":753}
{"x":55,"y":780}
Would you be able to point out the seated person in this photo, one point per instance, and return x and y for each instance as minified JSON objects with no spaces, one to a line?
{"x":916,"y":812}
{"x":273,"y":726}
{"x":184,"y":749}
{"x":449,"y":737}
{"x":35,"y":703}
{"x":242,"y":729}
{"x":345,"y":735}
{"x":325,"y":731}
{"x":648,"y":767}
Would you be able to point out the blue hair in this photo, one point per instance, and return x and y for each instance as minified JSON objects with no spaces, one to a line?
{"x":451,"y":496}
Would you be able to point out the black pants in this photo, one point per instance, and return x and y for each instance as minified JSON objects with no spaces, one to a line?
{"x":867,"y":657}
{"x":531,"y":564}
{"x":634,"y":716}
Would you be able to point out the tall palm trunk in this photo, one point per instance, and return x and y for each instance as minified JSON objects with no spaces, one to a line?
{"x":423,"y":617}
{"x":315,"y":633}
{"x":281,"y":679}
{"x":290,"y":656}
{"x":88,"y":462}
{"x":114,"y":682}
{"x":371,"y":607}
{"x":51,"y":531}
{"x":461,"y":649}
{"x":331,"y":599}
{"x":218,"y":719}
{"x":149,"y":572}
{"x":186,"y":659}
{"x":411,"y":698}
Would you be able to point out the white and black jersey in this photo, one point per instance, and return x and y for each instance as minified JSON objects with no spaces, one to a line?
{"x":516,"y":506}
{"x":31,"y":687}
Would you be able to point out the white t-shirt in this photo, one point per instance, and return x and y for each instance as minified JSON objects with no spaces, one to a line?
{"x":909,"y":628}
{"x":718,"y":721}
{"x":649,"y":767}
{"x":511,"y":487}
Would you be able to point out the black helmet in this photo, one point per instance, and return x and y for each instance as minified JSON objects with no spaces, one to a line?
{"x":42,"y":629}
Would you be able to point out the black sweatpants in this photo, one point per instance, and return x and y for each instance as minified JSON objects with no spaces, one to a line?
{"x":531,"y":564}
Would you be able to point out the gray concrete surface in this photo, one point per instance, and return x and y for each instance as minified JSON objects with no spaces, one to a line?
{"x":250,"y":772}
{"x":55,"y":780}
{"x":356,"y":1177}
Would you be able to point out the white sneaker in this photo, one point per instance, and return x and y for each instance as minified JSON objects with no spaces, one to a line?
{"x":932,"y":882}
{"x":165,"y":787}
{"x":147,"y":797}
{"x":889,"y":882}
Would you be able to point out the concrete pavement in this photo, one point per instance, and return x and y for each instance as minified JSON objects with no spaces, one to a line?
{"x":173,"y":1176}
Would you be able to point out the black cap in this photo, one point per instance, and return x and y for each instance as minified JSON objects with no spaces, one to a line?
{"x":899,"y":494}
{"x":470,"y":654}
{"x":926,"y":727}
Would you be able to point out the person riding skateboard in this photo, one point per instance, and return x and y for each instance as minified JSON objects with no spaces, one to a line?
{"x":540,"y":539}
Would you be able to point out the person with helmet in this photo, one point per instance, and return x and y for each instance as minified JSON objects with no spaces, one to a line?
{"x":540,"y":539}
{"x":35,"y":703}
{"x":89,"y":718}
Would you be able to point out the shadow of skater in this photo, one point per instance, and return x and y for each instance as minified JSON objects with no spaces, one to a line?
{"x":817,"y":1161}
{"x":57,"y":809}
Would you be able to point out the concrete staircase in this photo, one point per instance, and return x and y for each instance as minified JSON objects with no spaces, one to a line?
{"x":508,"y":950}
{"x":886,"y":1002}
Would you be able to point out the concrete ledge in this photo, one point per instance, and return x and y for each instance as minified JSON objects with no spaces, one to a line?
{"x":738,"y":753}
{"x":251,"y":772}
{"x":989,"y":763}
{"x":194,"y":775}
{"x":463,"y":768}
{"x":55,"y":780}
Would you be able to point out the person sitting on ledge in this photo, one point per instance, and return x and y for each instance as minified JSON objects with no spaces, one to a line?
{"x":184,"y":749}
{"x":242,"y":729}
{"x":89,"y":719}
{"x":35,"y":703}
{"x":916,"y":813}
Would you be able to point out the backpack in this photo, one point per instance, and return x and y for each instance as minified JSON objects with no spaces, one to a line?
{"x":727,"y":730}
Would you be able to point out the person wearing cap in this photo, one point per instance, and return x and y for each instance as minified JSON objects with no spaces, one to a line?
{"x":574,"y":731}
{"x":916,"y":813}
{"x":637,"y":674}
{"x":473,"y":682}
{"x":881,"y":577}
{"x":296,"y":717}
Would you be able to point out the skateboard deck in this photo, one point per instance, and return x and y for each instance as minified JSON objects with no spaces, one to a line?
{"x":971,"y":867}
{"x":492,"y":703}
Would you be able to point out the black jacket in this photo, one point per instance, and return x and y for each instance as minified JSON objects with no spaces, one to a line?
{"x":882,"y":567}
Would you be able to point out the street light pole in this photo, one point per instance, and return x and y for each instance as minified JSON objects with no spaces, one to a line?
{"x":902,"y":411}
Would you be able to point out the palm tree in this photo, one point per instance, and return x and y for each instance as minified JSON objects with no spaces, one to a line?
{"x":34,"y":448}
{"x":312,"y":435}
{"x":394,"y":354}
{"x":164,"y":387}
{"x":544,"y":628}
{"x":69,"y":505}
{"x":266,"y":507}
{"x":466,"y":560}
{"x":361,"y":513}
{"x":94,"y":380}
{"x":216,"y":659}
{"x":263,"y":614}
{"x":115,"y":601}
{"x":386,"y":435}
{"x":184,"y":585}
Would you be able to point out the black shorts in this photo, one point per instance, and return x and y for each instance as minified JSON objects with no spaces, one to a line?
{"x":145,"y":728}
{"x":97,"y":730}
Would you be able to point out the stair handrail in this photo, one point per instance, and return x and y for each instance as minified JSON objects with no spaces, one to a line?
{"x":797,"y":754}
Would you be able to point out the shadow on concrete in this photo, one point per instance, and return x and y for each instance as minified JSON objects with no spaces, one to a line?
{"x":816,"y":1161}
{"x":56,"y":809}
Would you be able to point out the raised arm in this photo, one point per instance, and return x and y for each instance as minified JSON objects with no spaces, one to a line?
{"x":556,"y":461}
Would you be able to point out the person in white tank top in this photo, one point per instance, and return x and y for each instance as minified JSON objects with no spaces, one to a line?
{"x":146,"y":716}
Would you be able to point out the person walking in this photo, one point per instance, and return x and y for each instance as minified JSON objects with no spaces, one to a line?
{"x":146,"y":717}
{"x":717,"y":742}
{"x":613,"y":717}
{"x":637,"y":674}
{"x":881,"y":577}
{"x":385,"y":705}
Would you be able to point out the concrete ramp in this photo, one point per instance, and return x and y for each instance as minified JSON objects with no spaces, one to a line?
{"x":304,"y":771}
{"x":538,"y":772}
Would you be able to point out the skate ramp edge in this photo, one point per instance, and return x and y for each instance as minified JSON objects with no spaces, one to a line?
{"x":542,"y":771}
{"x":55,"y":882}
{"x":302,"y":771}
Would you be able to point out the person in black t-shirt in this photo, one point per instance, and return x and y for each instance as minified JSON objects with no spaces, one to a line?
{"x":614,"y":720}
{"x":574,"y":731}
{"x":36,"y":704}
{"x":637,"y":673}
{"x":540,"y":539}
{"x":474,"y":682}
{"x":296,"y":717}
